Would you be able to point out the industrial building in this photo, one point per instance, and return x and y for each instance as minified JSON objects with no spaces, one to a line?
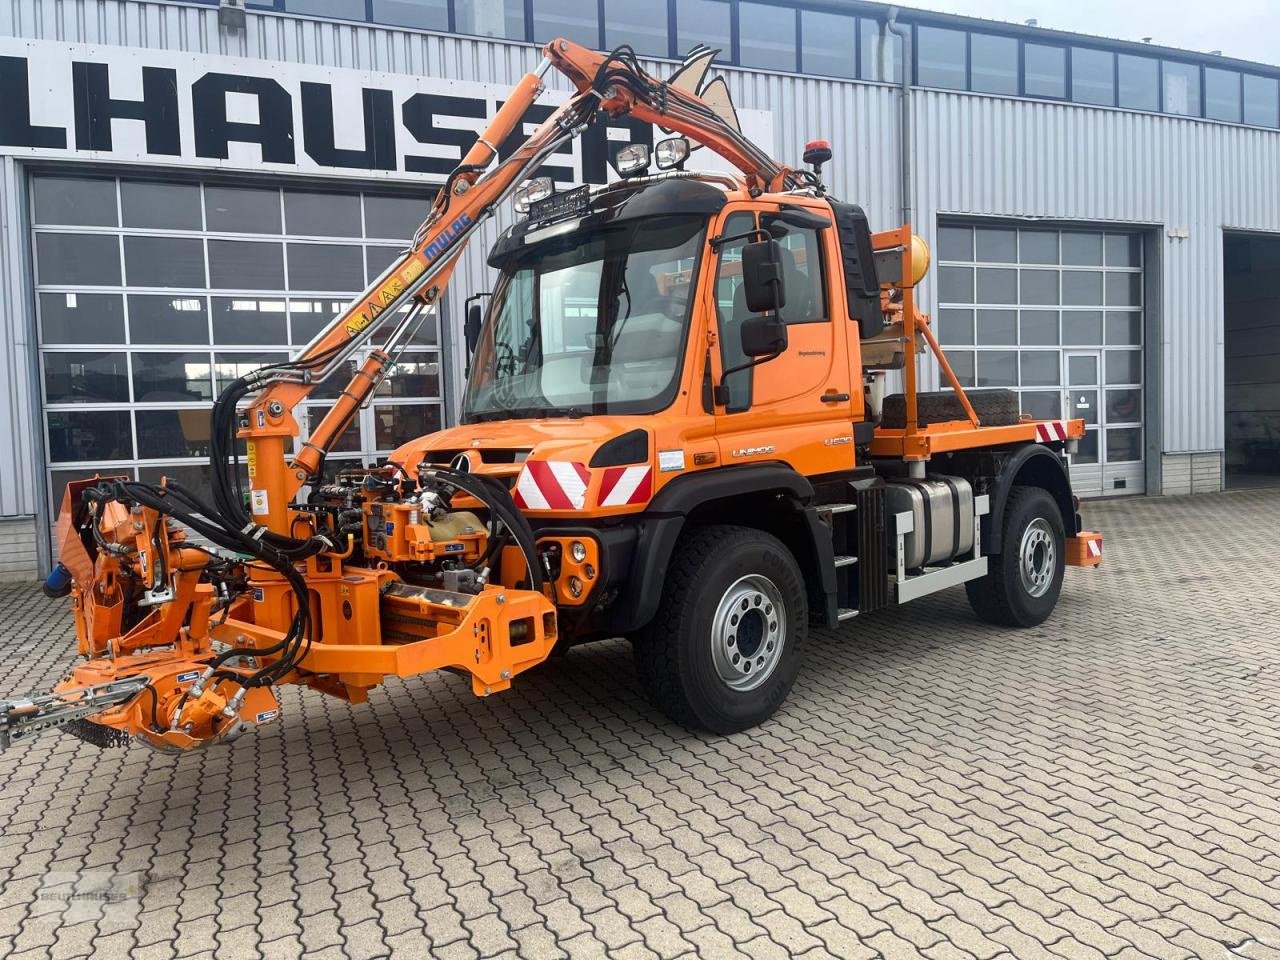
{"x":188,"y":189}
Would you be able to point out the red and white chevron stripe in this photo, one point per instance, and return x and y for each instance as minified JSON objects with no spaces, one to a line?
{"x":1095,"y":548}
{"x":1051,"y":430}
{"x":623,"y":486}
{"x":551,"y":485}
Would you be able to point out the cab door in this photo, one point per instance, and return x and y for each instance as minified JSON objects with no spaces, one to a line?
{"x":797,"y":407}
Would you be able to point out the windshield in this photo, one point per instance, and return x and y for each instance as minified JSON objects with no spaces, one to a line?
{"x":589,"y":324}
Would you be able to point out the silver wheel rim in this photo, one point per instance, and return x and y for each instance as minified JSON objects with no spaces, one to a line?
{"x":1037,"y":558}
{"x":748,"y":632}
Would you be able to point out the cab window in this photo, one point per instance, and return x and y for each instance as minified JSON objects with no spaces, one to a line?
{"x":802,"y":277}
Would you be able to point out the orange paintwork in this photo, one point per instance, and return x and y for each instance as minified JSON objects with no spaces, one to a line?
{"x":1084,"y":549}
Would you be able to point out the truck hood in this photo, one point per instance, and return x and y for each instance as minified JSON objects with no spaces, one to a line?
{"x":510,"y":442}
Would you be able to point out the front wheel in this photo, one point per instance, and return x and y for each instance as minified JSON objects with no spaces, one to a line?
{"x":725,"y":645}
{"x":1023,"y":581}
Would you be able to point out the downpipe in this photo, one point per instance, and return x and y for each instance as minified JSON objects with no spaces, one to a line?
{"x":904,"y":119}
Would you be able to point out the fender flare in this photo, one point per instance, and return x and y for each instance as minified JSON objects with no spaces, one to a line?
{"x":664,"y":520}
{"x":1045,"y":469}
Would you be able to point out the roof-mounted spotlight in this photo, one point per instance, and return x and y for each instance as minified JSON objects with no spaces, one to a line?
{"x":631,"y":159}
{"x":672,"y":153}
{"x":531,"y":191}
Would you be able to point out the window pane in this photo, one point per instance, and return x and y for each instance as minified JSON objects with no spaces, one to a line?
{"x":644,"y":26}
{"x":994,"y":63}
{"x":1082,"y":249}
{"x":394,"y":218}
{"x":322,"y":214}
{"x":245,"y":265}
{"x":802,"y":269}
{"x":1124,"y":250}
{"x":78,"y":259}
{"x":766,"y":36}
{"x":1042,"y":404}
{"x":830,"y":43}
{"x":572,"y":19}
{"x":1087,"y":450}
{"x":997,"y":327}
{"x":242,"y":210}
{"x":1124,"y":406}
{"x":377,"y":260}
{"x":1082,"y":370}
{"x":396,"y":425}
{"x":415,"y":375}
{"x":164,"y":262}
{"x":1124,"y":329}
{"x":997,"y":285}
{"x":168,"y":319}
{"x":346,"y":9}
{"x":1084,"y":406}
{"x":1040,"y":286}
{"x":230,"y":366}
{"x":81,"y":318}
{"x":171,"y":377}
{"x":941,"y":58}
{"x":955,"y":326}
{"x":249,"y":320}
{"x":997,"y":246}
{"x":1093,"y":78}
{"x":332,"y":388}
{"x":173,"y":433}
{"x":75,"y":201}
{"x":962,"y":366}
{"x":955,"y":243}
{"x":1262,"y":101}
{"x":1124,"y":289}
{"x":1038,"y":246}
{"x":1082,"y":327}
{"x":1041,"y":368}
{"x":1081,"y":288}
{"x":1124,"y":366}
{"x":702,"y":21}
{"x":76,"y":435}
{"x":1124,"y":444}
{"x":1222,"y":94}
{"x":955,"y":285}
{"x":1045,"y":70}
{"x":174,"y":206}
{"x":1181,"y":89}
{"x":997,"y":368}
{"x":490,"y":18}
{"x":1139,"y":83}
{"x":881,"y":52}
{"x":325,"y":266}
{"x":86,"y":378}
{"x":309,"y":317}
{"x":1039,"y":328}
{"x":427,"y":14}
{"x":347,"y":442}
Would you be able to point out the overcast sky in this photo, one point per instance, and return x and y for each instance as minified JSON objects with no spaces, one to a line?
{"x":1247,"y":29}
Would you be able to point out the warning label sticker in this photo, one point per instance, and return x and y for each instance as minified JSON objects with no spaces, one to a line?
{"x":258,"y":503}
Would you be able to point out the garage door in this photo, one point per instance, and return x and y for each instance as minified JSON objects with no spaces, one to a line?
{"x":152,"y":295}
{"x":1057,"y":316}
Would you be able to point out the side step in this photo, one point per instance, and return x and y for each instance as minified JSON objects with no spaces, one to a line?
{"x":860,"y":543}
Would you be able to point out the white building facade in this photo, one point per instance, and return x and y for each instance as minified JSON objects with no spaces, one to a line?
{"x":182,"y":199}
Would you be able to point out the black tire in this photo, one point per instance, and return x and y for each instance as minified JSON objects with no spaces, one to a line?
{"x":1003,"y":596}
{"x":995,"y":408}
{"x":678,"y":667}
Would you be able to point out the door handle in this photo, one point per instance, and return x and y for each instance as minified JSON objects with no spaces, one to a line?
{"x":835,"y":398}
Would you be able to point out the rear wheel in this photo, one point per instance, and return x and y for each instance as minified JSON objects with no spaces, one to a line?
{"x":725,"y":645}
{"x":1023,"y":581}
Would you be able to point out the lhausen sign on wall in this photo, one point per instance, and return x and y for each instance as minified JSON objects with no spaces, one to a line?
{"x":131,"y":105}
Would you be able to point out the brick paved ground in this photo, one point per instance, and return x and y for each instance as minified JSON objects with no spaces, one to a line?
{"x":1106,"y":785}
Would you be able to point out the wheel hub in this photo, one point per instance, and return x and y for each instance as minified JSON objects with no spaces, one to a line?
{"x":747,"y":632}
{"x":1037,"y":558}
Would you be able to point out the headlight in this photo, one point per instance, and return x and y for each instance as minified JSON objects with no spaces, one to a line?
{"x":633,"y":158}
{"x":671,"y":152}
{"x":578,"y":550}
{"x":575,"y":587}
{"x":531,"y":191}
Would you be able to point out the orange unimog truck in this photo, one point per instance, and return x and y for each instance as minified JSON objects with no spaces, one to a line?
{"x":674,"y":431}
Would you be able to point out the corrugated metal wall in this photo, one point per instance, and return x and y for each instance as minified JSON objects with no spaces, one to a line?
{"x":975,"y":155}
